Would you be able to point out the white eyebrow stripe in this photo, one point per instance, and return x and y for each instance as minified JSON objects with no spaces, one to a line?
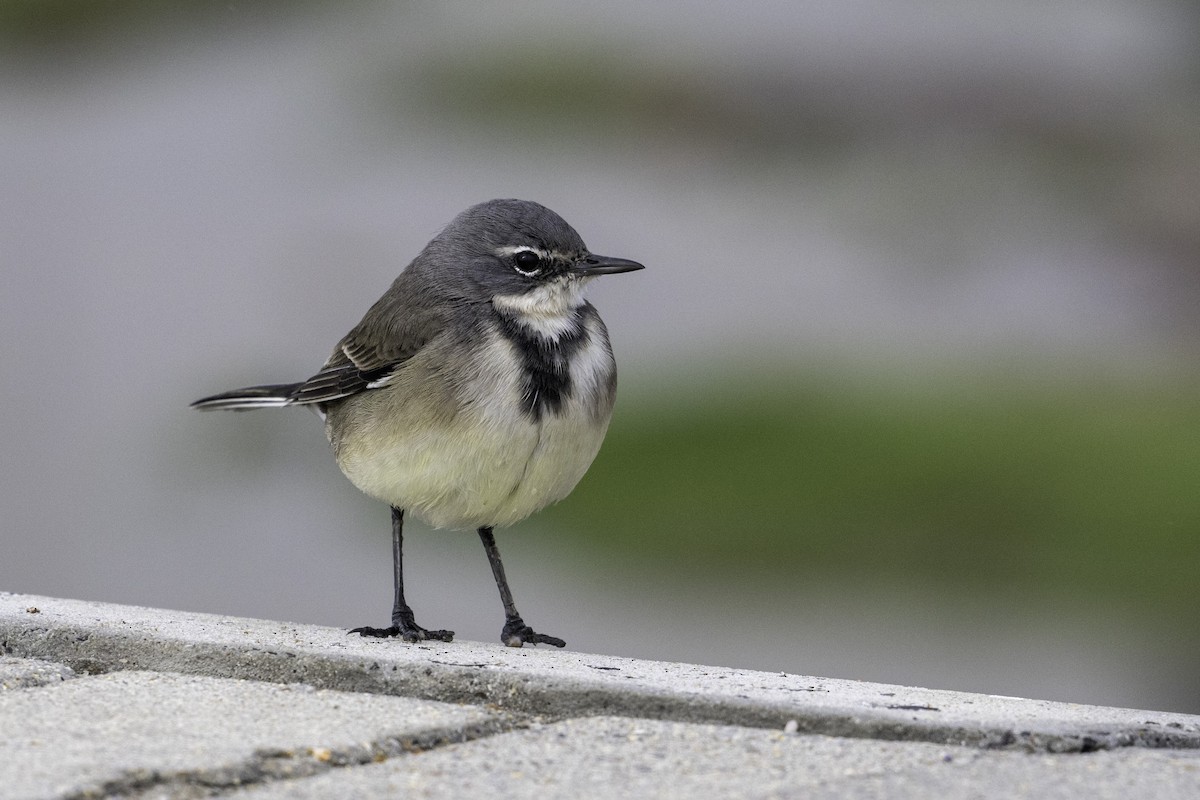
{"x":513,"y":249}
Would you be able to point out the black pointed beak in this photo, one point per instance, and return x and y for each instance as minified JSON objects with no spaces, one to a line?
{"x":604,"y":265}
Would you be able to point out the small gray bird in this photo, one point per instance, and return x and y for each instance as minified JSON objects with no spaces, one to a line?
{"x":475,"y":392}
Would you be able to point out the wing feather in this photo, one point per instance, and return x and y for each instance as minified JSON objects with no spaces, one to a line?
{"x":392,"y":332}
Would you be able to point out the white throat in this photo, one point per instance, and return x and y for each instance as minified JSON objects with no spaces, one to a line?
{"x":548,"y":310}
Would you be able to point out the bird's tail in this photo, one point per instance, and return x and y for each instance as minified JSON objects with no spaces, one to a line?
{"x":275,"y":396}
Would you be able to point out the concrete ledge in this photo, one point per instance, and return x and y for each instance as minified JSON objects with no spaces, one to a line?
{"x":100,"y":638}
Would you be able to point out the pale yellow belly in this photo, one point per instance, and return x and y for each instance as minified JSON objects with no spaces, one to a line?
{"x":460,"y":454}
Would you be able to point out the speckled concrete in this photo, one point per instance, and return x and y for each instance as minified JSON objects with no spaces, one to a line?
{"x":105,"y":700}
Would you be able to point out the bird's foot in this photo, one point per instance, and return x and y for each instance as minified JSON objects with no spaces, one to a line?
{"x":403,"y":627}
{"x":517,"y":633}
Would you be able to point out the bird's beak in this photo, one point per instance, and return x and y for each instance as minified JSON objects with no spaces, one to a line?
{"x":603,"y":265}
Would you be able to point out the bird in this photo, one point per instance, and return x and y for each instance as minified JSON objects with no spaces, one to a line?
{"x":476,"y":391}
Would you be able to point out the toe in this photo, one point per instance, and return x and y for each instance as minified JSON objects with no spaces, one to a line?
{"x":376,"y":633}
{"x":526,"y":635}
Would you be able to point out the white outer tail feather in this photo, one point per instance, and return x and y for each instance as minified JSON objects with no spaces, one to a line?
{"x":276,"y":396}
{"x":242,"y":402}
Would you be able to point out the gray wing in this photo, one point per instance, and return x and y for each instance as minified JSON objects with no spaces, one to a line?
{"x":392,"y":332}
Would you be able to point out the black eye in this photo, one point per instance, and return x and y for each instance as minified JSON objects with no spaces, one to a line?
{"x":527,"y":262}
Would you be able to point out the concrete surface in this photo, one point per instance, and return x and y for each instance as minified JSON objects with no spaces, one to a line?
{"x":20,"y":673}
{"x":128,"y":730}
{"x":102,"y":700}
{"x":606,"y":757}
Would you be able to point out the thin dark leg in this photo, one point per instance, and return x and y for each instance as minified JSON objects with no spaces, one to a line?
{"x":516,"y":632}
{"x":403,"y":624}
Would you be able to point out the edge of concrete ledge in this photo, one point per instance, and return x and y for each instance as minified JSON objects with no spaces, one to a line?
{"x":93,"y":637}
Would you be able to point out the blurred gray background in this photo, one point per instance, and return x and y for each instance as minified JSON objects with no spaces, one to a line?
{"x":909,"y":386}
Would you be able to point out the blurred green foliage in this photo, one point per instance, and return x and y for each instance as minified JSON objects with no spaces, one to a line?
{"x":46,"y":26}
{"x":1062,"y":488}
{"x":44,"y":21}
{"x":551,"y":92}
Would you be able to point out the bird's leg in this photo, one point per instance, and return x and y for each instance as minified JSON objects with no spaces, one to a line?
{"x":403,"y":624}
{"x":515,"y":632}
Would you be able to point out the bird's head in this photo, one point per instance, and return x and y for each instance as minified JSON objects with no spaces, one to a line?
{"x":519,"y":255}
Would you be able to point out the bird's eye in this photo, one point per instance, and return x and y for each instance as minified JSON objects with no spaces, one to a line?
{"x":527,"y":262}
